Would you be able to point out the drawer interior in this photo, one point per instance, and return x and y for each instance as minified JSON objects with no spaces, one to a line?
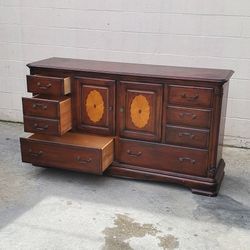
{"x":80,"y":152}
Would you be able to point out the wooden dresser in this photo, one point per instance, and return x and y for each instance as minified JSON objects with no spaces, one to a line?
{"x":135,"y":121}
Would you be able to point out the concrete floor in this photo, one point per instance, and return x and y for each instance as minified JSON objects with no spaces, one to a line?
{"x":56,"y":209}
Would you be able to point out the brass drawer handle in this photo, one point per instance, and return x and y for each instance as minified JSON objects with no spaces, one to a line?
{"x":83,"y":161}
{"x":182,"y":159}
{"x":190,"y":98}
{"x":39,"y":105}
{"x":134,"y":154}
{"x":43,"y":87}
{"x":186,"y":134}
{"x":183,"y":114}
{"x":35,"y":154}
{"x":36,"y":126}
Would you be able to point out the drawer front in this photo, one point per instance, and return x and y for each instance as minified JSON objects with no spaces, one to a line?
{"x":190,"y":96}
{"x":187,"y":137}
{"x":41,"y":125}
{"x":48,"y":85}
{"x":40,"y":107}
{"x":163,"y":157}
{"x":63,"y":156}
{"x":199,"y":118}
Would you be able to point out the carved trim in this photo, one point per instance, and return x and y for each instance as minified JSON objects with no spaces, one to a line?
{"x":211,"y":172}
{"x":218,"y":91}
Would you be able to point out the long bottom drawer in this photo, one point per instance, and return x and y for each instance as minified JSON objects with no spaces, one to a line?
{"x":80,"y":152}
{"x":163,"y":157}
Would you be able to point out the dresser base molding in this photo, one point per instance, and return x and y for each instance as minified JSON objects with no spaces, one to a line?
{"x":198,"y":185}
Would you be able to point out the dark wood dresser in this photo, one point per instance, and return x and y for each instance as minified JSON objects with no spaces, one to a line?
{"x":135,"y":121}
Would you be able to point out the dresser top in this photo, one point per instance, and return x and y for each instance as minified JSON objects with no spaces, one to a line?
{"x":131,"y":69}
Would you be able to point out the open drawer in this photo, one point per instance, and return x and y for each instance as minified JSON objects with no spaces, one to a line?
{"x":48,"y":85}
{"x":49,"y":116}
{"x":79,"y":152}
{"x":47,"y":107}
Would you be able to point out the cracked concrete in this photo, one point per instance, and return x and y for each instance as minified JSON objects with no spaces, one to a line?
{"x":56,"y":209}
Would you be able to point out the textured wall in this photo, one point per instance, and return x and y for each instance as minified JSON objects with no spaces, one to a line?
{"x":198,"y":33}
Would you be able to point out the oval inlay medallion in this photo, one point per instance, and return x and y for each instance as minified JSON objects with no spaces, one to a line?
{"x":140,"y":111}
{"x":94,"y":106}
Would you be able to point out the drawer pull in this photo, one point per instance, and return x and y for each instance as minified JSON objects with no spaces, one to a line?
{"x":39,"y":105}
{"x":83,"y":161}
{"x":35,"y":154}
{"x":136,"y":154}
{"x":191,"y":98}
{"x":186,"y":134}
{"x":182,"y":114}
{"x":182,"y":159}
{"x":40,"y":128}
{"x":43,"y":87}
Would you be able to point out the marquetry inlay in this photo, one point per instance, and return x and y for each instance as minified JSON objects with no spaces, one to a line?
{"x":140,"y":111}
{"x":95,"y":106}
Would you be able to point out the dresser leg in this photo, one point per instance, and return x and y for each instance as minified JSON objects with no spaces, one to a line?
{"x":212,"y":190}
{"x":206,"y":192}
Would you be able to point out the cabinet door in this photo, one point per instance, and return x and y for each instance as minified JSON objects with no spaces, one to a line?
{"x":140,"y":110}
{"x":95,"y":105}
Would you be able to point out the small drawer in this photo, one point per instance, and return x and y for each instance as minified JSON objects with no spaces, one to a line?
{"x":34,"y":124}
{"x":41,"y":106}
{"x":187,"y":137}
{"x":199,"y":118}
{"x":40,"y":125}
{"x":48,"y":85}
{"x":79,"y":152}
{"x":163,"y":157}
{"x":190,"y":96}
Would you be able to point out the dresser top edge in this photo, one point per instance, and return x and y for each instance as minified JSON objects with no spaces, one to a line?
{"x":144,"y":70}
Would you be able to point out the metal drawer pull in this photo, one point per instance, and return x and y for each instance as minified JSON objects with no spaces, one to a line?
{"x":40,"y":128}
{"x":186,"y":134}
{"x":191,"y":98}
{"x":182,"y":159}
{"x":43,"y":87}
{"x":39,"y":105}
{"x":83,"y":161}
{"x":136,"y":154}
{"x":35,"y":154}
{"x":182,"y":114}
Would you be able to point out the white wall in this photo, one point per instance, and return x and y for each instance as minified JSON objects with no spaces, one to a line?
{"x":200,"y":33}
